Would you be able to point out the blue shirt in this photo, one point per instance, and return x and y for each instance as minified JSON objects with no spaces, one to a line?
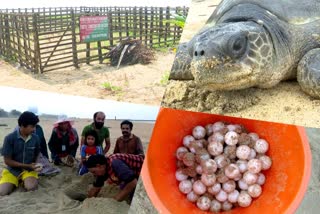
{"x":16,"y":148}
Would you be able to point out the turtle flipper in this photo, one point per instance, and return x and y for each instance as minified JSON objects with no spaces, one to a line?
{"x":181,"y":65}
{"x":308,"y":73}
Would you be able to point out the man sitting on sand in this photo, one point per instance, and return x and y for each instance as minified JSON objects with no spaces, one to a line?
{"x":122,"y":169}
{"x":102,"y":131}
{"x":128,"y":143}
{"x":20,"y":150}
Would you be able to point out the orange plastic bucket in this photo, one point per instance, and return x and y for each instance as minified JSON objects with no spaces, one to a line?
{"x":286,"y":182}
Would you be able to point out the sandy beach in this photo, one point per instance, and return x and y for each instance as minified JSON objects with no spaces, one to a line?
{"x":141,"y":84}
{"x":50,"y":197}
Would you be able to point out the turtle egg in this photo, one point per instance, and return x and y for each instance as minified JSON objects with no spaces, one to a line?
{"x":187,"y":140}
{"x":254,"y":136}
{"x":226,"y":206}
{"x":254,"y":165}
{"x":243,"y":165}
{"x":244,"y":199}
{"x":243,"y":152}
{"x":185,"y":186}
{"x":232,"y":171}
{"x":222,"y":196}
{"x":195,"y":146}
{"x":266,"y":162}
{"x":190,"y":171}
{"x":202,"y":155}
{"x":218,"y":126}
{"x":180,"y":176}
{"x":221,"y":161}
{"x":221,"y":177}
{"x":261,"y":179}
{"x":215,"y":206}
{"x":254,"y":190}
{"x":229,"y":186}
{"x":250,"y":178}
{"x":253,"y":154}
{"x":215,"y":189}
{"x":215,"y":148}
{"x":199,"y":132}
{"x":242,"y":184}
{"x":231,"y":138}
{"x":188,"y":159}
{"x":209,"y":166}
{"x":216,"y":137}
{"x":233,"y":196}
{"x":181,"y":151}
{"x":203,"y":203}
{"x":231,"y":127}
{"x":198,"y":187}
{"x":208,"y":180}
{"x":230,"y":152}
{"x":192,"y":196}
{"x":209,"y":130}
{"x":199,"y":169}
{"x":261,"y":146}
{"x":244,"y":139}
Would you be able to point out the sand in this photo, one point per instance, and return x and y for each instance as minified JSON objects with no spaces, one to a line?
{"x":51,"y":197}
{"x":138,"y":83}
{"x":284,"y":103}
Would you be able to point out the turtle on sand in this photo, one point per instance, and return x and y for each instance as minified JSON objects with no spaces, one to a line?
{"x":254,"y":43}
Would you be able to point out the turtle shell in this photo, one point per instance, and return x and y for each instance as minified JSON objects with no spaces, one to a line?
{"x":295,"y":12}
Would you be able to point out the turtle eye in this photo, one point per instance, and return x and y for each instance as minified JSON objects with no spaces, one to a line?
{"x":237,"y":46}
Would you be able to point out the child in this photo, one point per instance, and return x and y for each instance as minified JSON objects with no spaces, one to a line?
{"x":89,"y":148}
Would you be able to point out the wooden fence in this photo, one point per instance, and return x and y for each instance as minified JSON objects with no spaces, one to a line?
{"x":46,"y":39}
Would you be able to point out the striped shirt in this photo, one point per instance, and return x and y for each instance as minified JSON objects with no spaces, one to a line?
{"x":121,"y":168}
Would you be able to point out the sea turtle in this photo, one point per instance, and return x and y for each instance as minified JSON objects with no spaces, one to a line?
{"x":254,"y":43}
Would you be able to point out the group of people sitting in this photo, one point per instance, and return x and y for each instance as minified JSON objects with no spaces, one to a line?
{"x":23,"y":147}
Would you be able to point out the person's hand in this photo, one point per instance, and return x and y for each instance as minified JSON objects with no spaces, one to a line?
{"x":31,"y":166}
{"x":93,"y":192}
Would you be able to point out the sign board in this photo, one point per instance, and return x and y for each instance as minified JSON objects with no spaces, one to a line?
{"x":94,"y":28}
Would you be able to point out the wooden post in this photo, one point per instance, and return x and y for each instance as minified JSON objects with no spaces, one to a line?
{"x":151,"y":28}
{"x":140,"y":23}
{"x":88,"y":53}
{"x":127,"y":23}
{"x":175,"y":28}
{"x":24,"y":32}
{"x":7,"y":37}
{"x":167,"y":29}
{"x":135,"y":22}
{"x":119,"y":25}
{"x":74,"y":40}
{"x":1,"y":34}
{"x":37,"y":61}
{"x":160,"y":26}
{"x":18,"y":55}
{"x":110,"y":28}
{"x":146,"y":25}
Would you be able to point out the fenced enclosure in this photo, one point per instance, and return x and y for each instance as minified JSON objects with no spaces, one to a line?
{"x":46,"y":39}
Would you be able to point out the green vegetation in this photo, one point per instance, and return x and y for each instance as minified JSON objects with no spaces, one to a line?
{"x":165,"y":78}
{"x":108,"y":86}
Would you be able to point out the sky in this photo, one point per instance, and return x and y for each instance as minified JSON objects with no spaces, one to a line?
{"x":72,"y":106}
{"x":74,"y":3}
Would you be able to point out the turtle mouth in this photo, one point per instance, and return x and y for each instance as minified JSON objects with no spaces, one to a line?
{"x":222,"y":74}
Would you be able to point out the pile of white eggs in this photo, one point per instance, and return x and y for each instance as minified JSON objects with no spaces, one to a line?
{"x":220,"y":166}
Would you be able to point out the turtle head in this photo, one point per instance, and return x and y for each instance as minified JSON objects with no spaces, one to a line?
{"x":230,"y":56}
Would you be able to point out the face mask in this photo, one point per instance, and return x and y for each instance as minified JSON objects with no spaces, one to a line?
{"x":98,"y":125}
